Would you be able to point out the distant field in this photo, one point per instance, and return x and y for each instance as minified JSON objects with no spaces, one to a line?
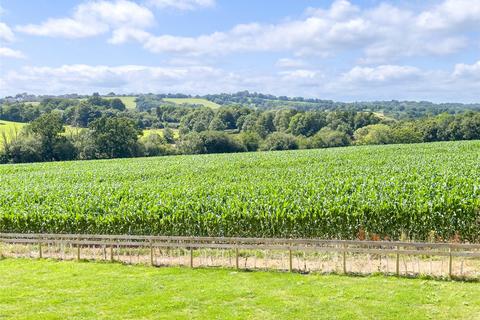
{"x":10,"y":129}
{"x":203,"y":102}
{"x":148,"y":132}
{"x":42,"y":289}
{"x":128,"y":101}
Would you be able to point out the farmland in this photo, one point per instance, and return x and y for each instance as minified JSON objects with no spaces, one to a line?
{"x":417,"y":191}
{"x":64,"y":290}
{"x":197,"y":101}
{"x":128,"y":101}
{"x":10,"y":128}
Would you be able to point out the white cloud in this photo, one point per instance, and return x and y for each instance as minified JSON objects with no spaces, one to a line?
{"x":381,"y":74}
{"x":379,"y":34}
{"x":467,"y":71}
{"x":182,"y":4}
{"x":382,"y":33}
{"x":11,"y":53}
{"x":360,"y":83}
{"x":6,"y":33}
{"x":450,"y":14}
{"x":94,"y":18}
{"x":299,"y":74}
{"x":125,"y":78}
{"x":289,"y":63}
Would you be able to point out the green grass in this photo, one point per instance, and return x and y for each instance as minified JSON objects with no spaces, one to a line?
{"x":129,"y":101}
{"x":33,"y":289}
{"x":10,"y":129}
{"x":203,"y":102}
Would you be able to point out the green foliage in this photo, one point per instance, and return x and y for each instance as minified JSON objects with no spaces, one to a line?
{"x":209,"y":142}
{"x":115,"y":137}
{"x":250,"y":140}
{"x":280,"y":141}
{"x":307,"y":124}
{"x":327,"y":138}
{"x":373,"y":134}
{"x":156,"y":145}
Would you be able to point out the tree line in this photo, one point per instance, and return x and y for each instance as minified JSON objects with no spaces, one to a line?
{"x":104,"y":128}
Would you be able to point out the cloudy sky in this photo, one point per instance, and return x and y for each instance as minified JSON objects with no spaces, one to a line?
{"x":341,"y":50}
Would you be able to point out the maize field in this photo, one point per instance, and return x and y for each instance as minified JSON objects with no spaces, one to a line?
{"x":421,"y":192}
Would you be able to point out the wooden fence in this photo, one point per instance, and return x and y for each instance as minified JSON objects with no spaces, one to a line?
{"x":456,"y":260}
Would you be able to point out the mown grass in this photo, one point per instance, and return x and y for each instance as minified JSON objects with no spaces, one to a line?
{"x":41,"y":289}
{"x":203,"y":102}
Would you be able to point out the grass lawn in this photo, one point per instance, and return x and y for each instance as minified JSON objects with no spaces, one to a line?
{"x":203,"y":102}
{"x":42,"y":289}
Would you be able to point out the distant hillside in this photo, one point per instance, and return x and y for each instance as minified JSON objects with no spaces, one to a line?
{"x":144,"y":102}
{"x":395,"y":109}
{"x":193,"y":101}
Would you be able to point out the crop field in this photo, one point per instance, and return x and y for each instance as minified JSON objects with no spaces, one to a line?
{"x":422,"y":192}
{"x":43,"y":289}
{"x":9,"y":128}
{"x":204,"y":102}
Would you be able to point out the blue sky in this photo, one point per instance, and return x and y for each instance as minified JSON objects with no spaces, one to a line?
{"x":341,"y":50}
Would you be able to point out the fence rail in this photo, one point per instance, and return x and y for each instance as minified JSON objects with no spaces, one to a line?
{"x":315,"y":254}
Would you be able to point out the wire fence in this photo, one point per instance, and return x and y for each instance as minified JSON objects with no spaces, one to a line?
{"x":454,"y":260}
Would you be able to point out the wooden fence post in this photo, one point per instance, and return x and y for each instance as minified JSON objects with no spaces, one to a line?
{"x":78,"y":250}
{"x":151,"y":253}
{"x":191,"y":258}
{"x":344,"y":258}
{"x":40,"y":254}
{"x":236,"y":258}
{"x":450,"y":262}
{"x":111,"y":253}
{"x":397,"y":262}
{"x":290,"y":262}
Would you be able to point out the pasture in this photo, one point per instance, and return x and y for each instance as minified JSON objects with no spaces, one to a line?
{"x":196,"y":101}
{"x":10,"y":129}
{"x":43,"y":289}
{"x":128,"y":101}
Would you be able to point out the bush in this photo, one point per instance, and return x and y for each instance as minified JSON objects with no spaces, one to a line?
{"x":373,"y":134}
{"x":220,"y":142}
{"x":209,"y":142}
{"x":327,"y":138}
{"x":156,"y":145}
{"x":280,"y":141}
{"x":250,"y":140}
